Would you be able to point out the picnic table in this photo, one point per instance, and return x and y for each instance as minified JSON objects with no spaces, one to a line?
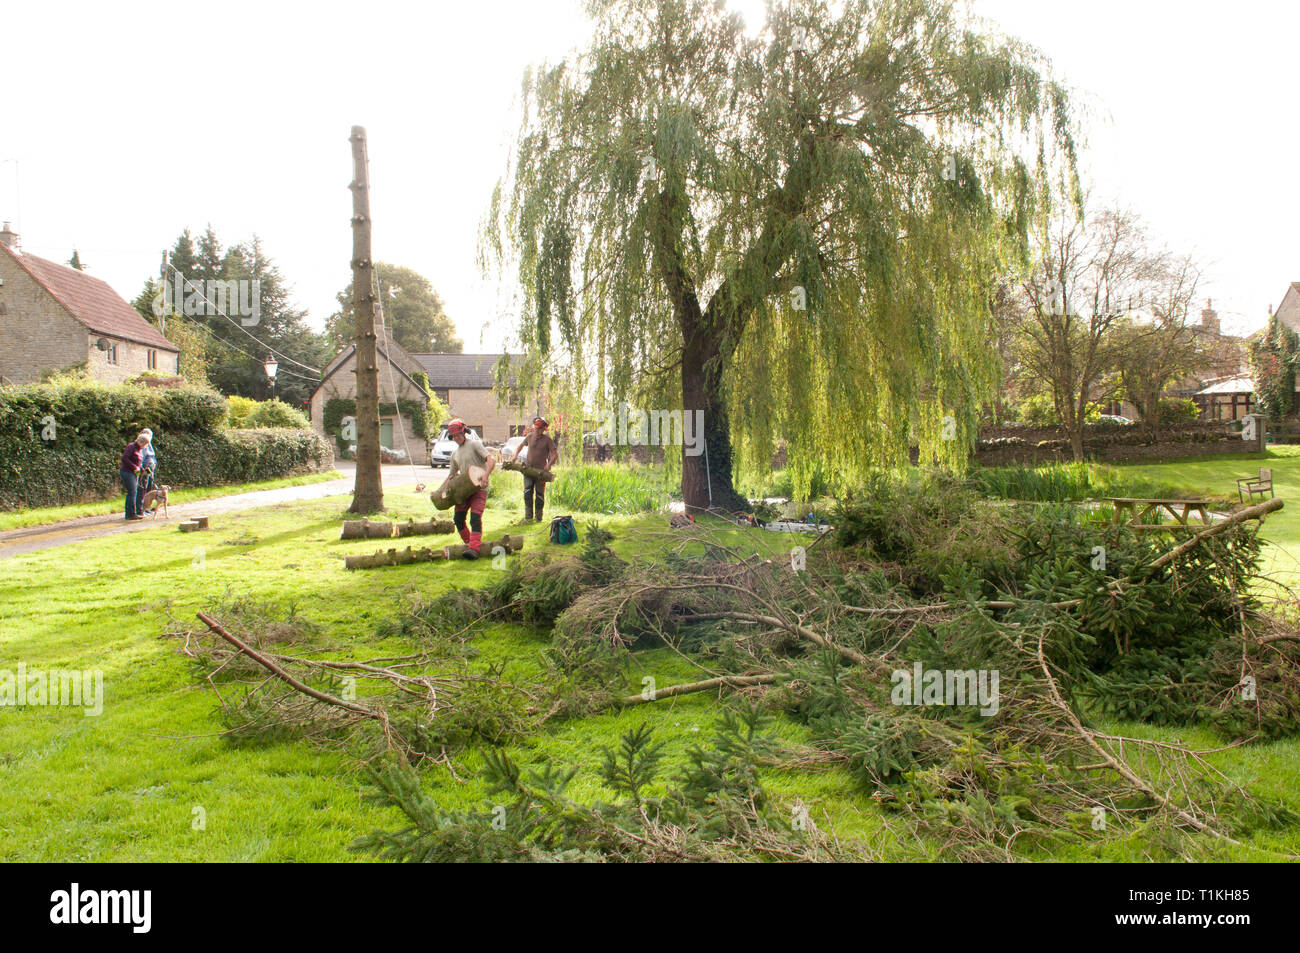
{"x":1142,"y":514}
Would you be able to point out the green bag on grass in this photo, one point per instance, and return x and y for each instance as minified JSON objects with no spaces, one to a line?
{"x":563,"y":530}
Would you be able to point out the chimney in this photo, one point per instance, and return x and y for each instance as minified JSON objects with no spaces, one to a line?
{"x":1210,"y":317}
{"x":9,"y":237}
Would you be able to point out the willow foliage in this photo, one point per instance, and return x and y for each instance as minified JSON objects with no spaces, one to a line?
{"x":821,"y":211}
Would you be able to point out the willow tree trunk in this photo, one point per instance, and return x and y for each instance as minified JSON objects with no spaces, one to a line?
{"x":368,"y":492}
{"x":706,"y":476}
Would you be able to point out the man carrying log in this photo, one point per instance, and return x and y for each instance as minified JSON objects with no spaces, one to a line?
{"x":541,"y":453}
{"x":469,"y":452}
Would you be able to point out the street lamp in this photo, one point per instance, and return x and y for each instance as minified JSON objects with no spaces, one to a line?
{"x":271,"y":367}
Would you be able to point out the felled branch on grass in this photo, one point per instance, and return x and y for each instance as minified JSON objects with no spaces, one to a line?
{"x":288,"y":679}
{"x":709,"y":684}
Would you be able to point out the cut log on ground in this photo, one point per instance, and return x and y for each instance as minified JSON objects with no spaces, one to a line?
{"x":365,"y":529}
{"x":393,"y":557}
{"x":459,"y":488}
{"x":511,"y":544}
{"x":546,"y":476}
{"x":431,"y":528}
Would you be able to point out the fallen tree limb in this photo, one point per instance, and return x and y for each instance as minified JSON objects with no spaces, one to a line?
{"x":727,"y":681}
{"x":1090,"y":738}
{"x":1259,"y":511}
{"x":853,"y":655}
{"x":280,"y":673}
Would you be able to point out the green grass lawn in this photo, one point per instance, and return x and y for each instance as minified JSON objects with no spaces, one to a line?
{"x":126,"y":785}
{"x":40,"y":516}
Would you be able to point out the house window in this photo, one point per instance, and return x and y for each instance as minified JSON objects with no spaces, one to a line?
{"x":517,"y":430}
{"x":443,"y":394}
{"x":111,"y":354}
{"x":153,"y":359}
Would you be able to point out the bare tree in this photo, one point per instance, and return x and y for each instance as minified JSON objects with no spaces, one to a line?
{"x":1151,"y":354}
{"x":1086,"y":279}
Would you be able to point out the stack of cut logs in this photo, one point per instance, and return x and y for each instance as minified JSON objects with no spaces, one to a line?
{"x":400,"y":557}
{"x":364,"y":529}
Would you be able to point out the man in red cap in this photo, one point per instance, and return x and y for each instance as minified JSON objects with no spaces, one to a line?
{"x":469,"y":452}
{"x":542,"y":453}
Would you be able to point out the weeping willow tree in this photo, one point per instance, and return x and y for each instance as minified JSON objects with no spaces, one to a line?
{"x":798,"y":233}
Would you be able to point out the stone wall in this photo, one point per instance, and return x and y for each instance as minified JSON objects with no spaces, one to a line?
{"x":132,"y":359}
{"x":1035,"y":446}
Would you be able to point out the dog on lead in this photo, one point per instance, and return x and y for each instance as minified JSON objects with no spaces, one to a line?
{"x":155,"y":498}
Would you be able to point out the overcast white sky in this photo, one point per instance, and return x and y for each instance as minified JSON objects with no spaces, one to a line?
{"x":131,"y":121}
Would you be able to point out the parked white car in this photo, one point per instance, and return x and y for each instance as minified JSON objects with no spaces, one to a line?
{"x":510,"y":448}
{"x":442,"y":449}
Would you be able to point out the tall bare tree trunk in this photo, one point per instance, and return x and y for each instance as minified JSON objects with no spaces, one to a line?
{"x":368,"y":492}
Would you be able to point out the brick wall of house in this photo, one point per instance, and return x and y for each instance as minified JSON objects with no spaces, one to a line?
{"x":132,"y":359}
{"x":36,"y":333}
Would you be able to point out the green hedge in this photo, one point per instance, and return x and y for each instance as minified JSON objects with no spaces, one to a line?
{"x":101,"y":416}
{"x":55,"y":475}
{"x":93,"y":422}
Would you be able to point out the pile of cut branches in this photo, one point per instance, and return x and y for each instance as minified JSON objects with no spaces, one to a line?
{"x":956,"y":669}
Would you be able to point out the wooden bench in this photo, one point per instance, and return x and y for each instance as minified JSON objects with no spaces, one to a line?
{"x":1141,"y":514}
{"x":1247,"y":487}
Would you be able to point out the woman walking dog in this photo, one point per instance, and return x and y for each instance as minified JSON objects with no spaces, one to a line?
{"x":148,"y":466}
{"x":132,"y":462}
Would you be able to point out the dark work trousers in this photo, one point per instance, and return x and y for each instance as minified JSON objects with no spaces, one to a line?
{"x":131,"y":482}
{"x":534,"y":498}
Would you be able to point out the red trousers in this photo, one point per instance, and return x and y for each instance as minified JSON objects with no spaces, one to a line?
{"x":472,"y":535}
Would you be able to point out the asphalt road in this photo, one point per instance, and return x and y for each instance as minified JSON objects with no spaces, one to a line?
{"x":33,"y":539}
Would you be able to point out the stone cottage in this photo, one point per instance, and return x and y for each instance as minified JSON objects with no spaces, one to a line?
{"x":53,"y":317}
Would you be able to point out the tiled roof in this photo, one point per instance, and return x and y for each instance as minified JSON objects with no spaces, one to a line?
{"x":1231,"y":385}
{"x":91,"y":301}
{"x":474,"y":371}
